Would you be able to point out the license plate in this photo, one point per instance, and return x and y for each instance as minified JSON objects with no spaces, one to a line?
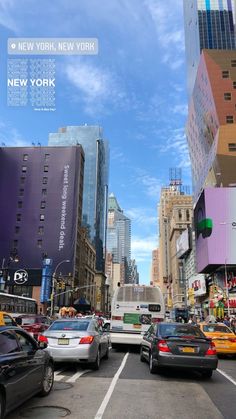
{"x":63,"y":341}
{"x":137,"y":326}
{"x":188,"y":349}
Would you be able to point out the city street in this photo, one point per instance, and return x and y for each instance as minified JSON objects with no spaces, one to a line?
{"x":124,"y":388}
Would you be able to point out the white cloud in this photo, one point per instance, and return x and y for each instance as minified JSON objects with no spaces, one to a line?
{"x":151,"y":184}
{"x":11,"y":137}
{"x":142,"y":216}
{"x":97,"y":85}
{"x":181,"y":109}
{"x":6,"y":14}
{"x":178,"y":147}
{"x":141,"y":248}
{"x":167,"y":17}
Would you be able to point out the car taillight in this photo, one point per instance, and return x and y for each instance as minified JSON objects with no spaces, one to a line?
{"x":212,"y":349}
{"x":86,"y":339}
{"x":42,"y":338}
{"x":232,"y":339}
{"x":162,"y":346}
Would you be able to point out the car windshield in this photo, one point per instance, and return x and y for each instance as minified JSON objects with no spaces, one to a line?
{"x":28,"y":320}
{"x":70,"y":325}
{"x":212,"y":328}
{"x":180,"y":330}
{"x":32,"y":320}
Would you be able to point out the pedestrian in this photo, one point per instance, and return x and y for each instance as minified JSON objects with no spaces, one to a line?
{"x":226,"y":321}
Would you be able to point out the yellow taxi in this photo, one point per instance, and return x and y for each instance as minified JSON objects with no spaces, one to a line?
{"x":6,"y":319}
{"x":222,"y":336}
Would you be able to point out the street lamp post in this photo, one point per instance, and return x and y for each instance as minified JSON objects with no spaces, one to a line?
{"x":227,"y":289}
{"x":54,"y":278}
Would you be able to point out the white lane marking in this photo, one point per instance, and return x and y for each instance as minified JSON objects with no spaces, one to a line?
{"x":58,"y":372}
{"x":58,"y":376}
{"x":227,"y":376}
{"x":108,"y":395}
{"x":76,"y":376}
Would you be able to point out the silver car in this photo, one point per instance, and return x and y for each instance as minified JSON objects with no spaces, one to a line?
{"x":77,"y":340}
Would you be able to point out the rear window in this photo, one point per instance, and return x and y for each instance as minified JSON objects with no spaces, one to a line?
{"x":180,"y":330}
{"x":73,"y":325}
{"x":211,"y":328}
{"x":28,"y":320}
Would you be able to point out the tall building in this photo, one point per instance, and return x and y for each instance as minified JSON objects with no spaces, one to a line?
{"x":209,"y":24}
{"x":94,"y":213}
{"x":119,"y":236}
{"x":41,"y":213}
{"x":175,"y":215}
{"x":211,"y":125}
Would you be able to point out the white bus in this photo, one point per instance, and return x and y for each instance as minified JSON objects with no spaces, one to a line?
{"x":133,"y":309}
{"x":17,"y":305}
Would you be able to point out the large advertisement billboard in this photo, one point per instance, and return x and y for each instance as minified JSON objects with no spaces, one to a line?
{"x":41,"y":211}
{"x":215,"y":228}
{"x":182,"y":244}
{"x":197,"y":283}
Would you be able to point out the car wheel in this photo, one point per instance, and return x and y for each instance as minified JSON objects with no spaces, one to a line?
{"x":142,"y":359}
{"x":106,"y":356}
{"x":48,"y":380}
{"x":207,"y":373}
{"x":2,"y":406}
{"x":96,"y":364}
{"x":152,"y":369}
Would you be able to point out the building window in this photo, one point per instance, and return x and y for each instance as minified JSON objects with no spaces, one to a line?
{"x":188,"y":215}
{"x":40,"y":230}
{"x":229,"y":119}
{"x":25,"y":157}
{"x":180,"y":215}
{"x":45,"y":169}
{"x":233,"y":63}
{"x":22,"y":180}
{"x":46,"y":157}
{"x":42,"y":217}
{"x":15,"y":243}
{"x":44,"y":192}
{"x":18,"y":217}
{"x":20,"y":204}
{"x":232,"y":146}
{"x":227,"y":96}
{"x":39,"y":243}
{"x":21,"y":192}
{"x":234,"y":84}
{"x":43,"y":205}
{"x":17,"y":229}
{"x":24,"y":169}
{"x":45,"y":180}
{"x":225,"y":74}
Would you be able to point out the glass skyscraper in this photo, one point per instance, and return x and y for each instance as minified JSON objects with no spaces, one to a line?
{"x":94,"y":213}
{"x":119,"y":235}
{"x":209,"y":24}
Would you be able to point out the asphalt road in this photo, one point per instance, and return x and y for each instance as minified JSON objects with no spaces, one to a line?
{"x":123,"y":388}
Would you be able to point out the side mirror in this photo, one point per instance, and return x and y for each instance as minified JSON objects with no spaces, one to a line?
{"x":18,"y":321}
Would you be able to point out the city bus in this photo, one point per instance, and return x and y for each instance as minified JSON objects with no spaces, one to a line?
{"x":17,"y":305}
{"x":133,"y":309}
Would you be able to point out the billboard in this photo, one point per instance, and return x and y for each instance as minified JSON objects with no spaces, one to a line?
{"x":198,"y":284}
{"x":40,"y":215}
{"x":215,"y":228}
{"x":182,"y":244}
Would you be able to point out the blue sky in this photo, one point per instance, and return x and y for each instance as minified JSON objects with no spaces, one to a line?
{"x":135,"y":88}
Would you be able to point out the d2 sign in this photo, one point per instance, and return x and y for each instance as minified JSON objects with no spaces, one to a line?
{"x":20,"y":277}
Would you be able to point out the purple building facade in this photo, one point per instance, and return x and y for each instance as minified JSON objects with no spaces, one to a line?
{"x":41,"y":206}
